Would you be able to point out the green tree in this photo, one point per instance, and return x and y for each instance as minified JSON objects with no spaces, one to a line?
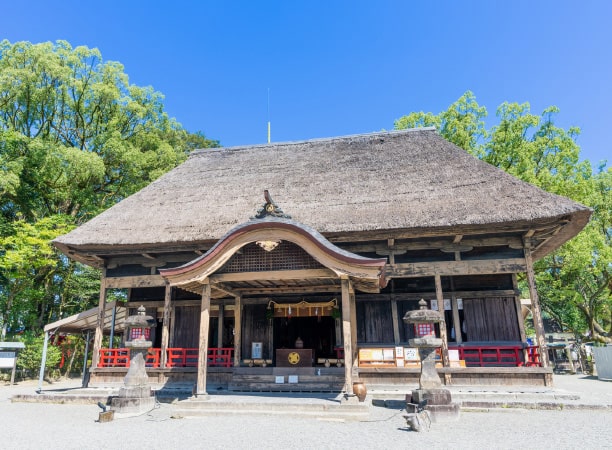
{"x":575,"y":282}
{"x":75,"y":138}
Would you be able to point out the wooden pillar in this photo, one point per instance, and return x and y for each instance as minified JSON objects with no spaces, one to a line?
{"x":395,"y":319}
{"x":203,"y":347}
{"x":97,"y":344}
{"x":166,"y":326}
{"x":347,"y":338}
{"x":353,"y":321}
{"x":456,"y":319}
{"x":172,"y":325}
{"x":237,"y":331}
{"x":519,"y":316}
{"x":535,"y":307}
{"x":220,"y":325}
{"x":443,"y":334}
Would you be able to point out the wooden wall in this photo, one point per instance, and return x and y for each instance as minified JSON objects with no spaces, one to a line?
{"x":374,"y":322}
{"x":187,"y":327}
{"x":255,"y":328}
{"x":491,"y":319}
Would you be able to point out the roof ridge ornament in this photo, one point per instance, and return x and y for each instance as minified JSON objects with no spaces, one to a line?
{"x":270,"y":208}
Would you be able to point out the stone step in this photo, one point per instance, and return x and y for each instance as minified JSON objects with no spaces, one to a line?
{"x":315,"y":407}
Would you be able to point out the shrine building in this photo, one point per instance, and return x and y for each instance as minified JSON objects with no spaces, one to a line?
{"x":289,"y":266}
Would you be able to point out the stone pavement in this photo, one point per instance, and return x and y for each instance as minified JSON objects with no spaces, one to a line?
{"x":568,"y":392}
{"x":75,"y":426}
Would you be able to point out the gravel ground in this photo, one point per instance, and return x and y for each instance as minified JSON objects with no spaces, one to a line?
{"x":72,"y":426}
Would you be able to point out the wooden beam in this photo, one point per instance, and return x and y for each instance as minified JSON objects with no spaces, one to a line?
{"x":223,"y":288}
{"x":203,"y":341}
{"x":288,"y":289}
{"x":274,"y":275}
{"x":140,"y":281}
{"x":450,"y":268}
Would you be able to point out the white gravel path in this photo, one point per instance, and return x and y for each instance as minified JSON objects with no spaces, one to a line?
{"x":51,"y":426}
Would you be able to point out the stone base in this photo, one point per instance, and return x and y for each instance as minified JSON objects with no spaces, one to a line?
{"x":443,"y":413}
{"x":132,"y":406}
{"x":432,"y":396}
{"x":135,"y":392}
{"x":437,"y":402}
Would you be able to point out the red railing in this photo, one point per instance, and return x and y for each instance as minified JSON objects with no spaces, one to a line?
{"x":114,"y":357}
{"x":221,"y":357}
{"x":177,"y":357}
{"x":153,"y":357}
{"x":182,"y":357}
{"x":491,"y":355}
{"x":533,"y":356}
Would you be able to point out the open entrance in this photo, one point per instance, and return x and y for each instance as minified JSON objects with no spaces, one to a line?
{"x":316,"y":333}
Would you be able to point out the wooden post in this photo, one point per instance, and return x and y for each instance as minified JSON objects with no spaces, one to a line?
{"x":456,"y":319}
{"x":395,"y":319}
{"x":519,"y":317}
{"x":220,"y":325}
{"x":203,"y":348}
{"x":535,"y":307}
{"x":166,"y":326}
{"x":443,"y":334}
{"x":237,"y":331}
{"x":346,"y":336}
{"x":172,"y":326}
{"x":353,"y":321}
{"x":97,"y":344}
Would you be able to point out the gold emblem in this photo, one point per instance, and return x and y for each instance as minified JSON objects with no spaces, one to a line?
{"x":270,"y":207}
{"x":293,"y":358}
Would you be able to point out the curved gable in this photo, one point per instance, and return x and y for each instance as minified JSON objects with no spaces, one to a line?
{"x":283,"y":236}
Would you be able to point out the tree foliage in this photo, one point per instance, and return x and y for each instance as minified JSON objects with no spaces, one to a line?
{"x":75,"y":138}
{"x":574,"y":282}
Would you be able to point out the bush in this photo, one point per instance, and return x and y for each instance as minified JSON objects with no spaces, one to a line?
{"x":29,"y":358}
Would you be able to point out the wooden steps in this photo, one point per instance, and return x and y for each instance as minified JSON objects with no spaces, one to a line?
{"x":287,"y":380}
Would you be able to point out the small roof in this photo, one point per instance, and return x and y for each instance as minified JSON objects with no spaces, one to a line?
{"x":87,"y":320}
{"x":409,"y":180}
{"x":270,"y":232}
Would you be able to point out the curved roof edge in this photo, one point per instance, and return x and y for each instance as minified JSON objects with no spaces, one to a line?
{"x":340,"y":261}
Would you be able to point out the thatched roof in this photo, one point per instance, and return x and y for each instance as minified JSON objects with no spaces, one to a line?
{"x":400,"y":180}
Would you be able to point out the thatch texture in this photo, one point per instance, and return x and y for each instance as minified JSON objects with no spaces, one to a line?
{"x":402,"y":180}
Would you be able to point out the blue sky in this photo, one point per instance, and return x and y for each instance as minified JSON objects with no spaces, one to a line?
{"x":343,"y":67}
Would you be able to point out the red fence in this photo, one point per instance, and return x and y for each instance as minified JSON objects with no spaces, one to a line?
{"x":498,"y":355}
{"x":177,"y":357}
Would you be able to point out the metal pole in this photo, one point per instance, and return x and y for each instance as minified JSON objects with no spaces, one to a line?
{"x":85,"y":359}
{"x":43,"y":363}
{"x":112,"y":326}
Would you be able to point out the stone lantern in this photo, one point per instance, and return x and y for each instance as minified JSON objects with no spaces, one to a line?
{"x":138,"y":331}
{"x":430,"y":396}
{"x":135,"y":396}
